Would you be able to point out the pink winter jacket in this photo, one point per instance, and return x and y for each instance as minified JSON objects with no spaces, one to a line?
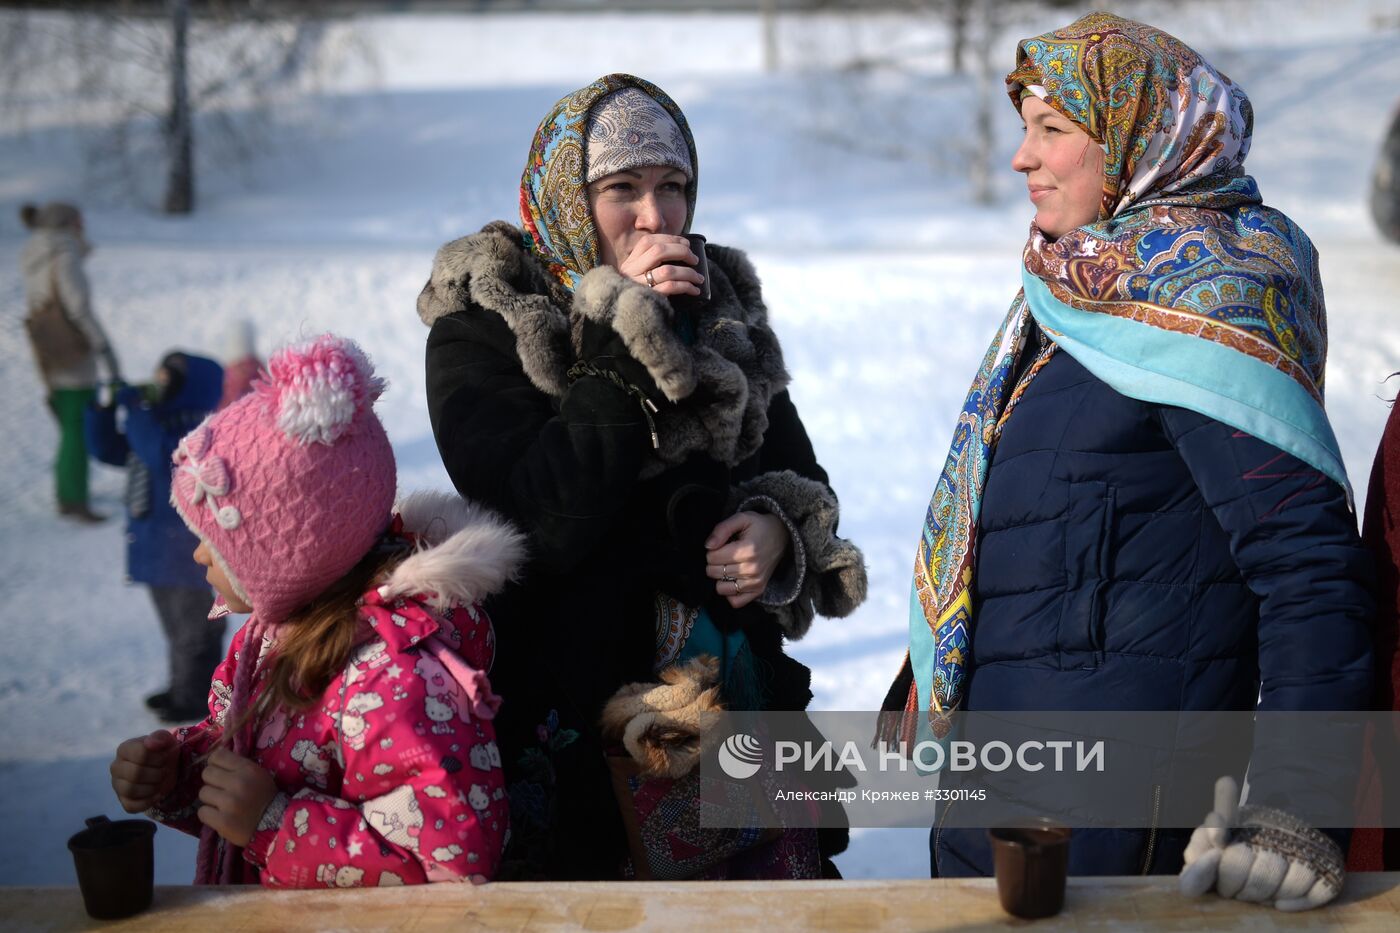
{"x":394,"y":777}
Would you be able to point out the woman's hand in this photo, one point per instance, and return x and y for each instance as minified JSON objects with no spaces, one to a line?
{"x":743,"y":552}
{"x":1260,"y":855}
{"x":236,"y":791}
{"x":652,"y":253}
{"x":144,"y":770}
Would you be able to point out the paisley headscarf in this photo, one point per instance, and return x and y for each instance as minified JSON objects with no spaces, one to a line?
{"x":629,"y":130}
{"x":1186,"y":291}
{"x":554,"y":215}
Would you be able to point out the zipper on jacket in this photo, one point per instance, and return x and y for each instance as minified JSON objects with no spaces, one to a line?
{"x":649,"y":408}
{"x":1152,"y":831}
{"x":1098,"y":609}
{"x":938,"y":837}
{"x":1098,"y":636}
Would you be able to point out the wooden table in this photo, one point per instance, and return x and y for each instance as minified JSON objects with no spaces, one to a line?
{"x":1371,"y":902}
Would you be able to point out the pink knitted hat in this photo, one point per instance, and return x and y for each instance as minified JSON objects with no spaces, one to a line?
{"x":291,"y":485}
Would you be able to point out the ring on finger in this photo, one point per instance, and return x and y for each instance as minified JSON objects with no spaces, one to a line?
{"x":651,"y":282}
{"x":724,"y":573}
{"x":738,"y":588}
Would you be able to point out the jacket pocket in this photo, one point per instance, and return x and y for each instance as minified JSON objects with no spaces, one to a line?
{"x":1088,"y":529}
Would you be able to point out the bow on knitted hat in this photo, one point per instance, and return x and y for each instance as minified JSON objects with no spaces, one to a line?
{"x":291,"y":485}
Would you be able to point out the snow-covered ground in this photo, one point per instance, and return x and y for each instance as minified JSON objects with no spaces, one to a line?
{"x":884,"y":281}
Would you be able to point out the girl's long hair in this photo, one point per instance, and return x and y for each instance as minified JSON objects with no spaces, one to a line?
{"x":314,"y":643}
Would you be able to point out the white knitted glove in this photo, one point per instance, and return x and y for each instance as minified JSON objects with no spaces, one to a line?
{"x":1260,"y":855}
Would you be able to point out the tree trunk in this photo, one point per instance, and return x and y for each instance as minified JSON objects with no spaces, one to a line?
{"x":179,"y":126}
{"x":988,"y":84}
{"x":958,"y":27}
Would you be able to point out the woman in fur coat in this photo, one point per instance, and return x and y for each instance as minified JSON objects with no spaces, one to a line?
{"x":645,"y":438}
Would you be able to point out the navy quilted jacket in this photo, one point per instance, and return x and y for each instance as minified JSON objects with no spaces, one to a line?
{"x":1136,"y":556}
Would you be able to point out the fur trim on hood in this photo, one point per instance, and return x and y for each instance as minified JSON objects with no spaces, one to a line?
{"x":465,"y":551}
{"x":720,"y":386}
{"x":665,"y":727}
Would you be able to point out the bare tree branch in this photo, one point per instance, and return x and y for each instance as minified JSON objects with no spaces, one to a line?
{"x":118,"y":68}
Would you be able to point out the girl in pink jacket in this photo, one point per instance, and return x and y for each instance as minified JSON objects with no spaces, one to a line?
{"x":349,"y":740}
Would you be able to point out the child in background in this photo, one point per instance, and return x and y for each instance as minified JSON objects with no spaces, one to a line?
{"x":241,"y":363}
{"x":349,"y":740}
{"x":158,"y":545}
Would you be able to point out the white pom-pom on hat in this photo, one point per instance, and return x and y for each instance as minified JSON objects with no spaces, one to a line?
{"x":320,"y":388}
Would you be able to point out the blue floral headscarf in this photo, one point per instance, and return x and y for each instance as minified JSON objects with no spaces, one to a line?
{"x":1185,"y":291}
{"x":554,"y":214}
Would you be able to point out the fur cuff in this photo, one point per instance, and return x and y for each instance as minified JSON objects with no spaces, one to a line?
{"x":642,"y":318}
{"x":835,"y":575}
{"x":728,"y":418}
{"x":784,"y":590}
{"x":665,"y":726}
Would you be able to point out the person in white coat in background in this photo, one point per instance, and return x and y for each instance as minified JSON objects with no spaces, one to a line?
{"x":67,"y":340}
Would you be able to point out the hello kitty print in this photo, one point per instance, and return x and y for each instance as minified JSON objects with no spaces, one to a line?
{"x":393,"y":778}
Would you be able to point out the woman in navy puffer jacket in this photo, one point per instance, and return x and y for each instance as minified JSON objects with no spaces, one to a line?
{"x":1143,"y":507}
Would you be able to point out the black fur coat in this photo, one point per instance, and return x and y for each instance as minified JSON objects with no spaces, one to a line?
{"x":572,"y":463}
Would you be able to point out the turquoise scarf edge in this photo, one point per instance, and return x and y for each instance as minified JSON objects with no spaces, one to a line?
{"x":1207,"y":378}
{"x":1212,"y":380}
{"x":923,"y":650}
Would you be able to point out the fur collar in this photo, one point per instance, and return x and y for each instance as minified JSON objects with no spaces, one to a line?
{"x":719,"y":387}
{"x":466,"y":552}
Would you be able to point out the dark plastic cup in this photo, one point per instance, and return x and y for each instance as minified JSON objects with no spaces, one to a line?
{"x":116,"y":866}
{"x":1031,"y":861}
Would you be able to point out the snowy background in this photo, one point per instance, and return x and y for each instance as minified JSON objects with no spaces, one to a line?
{"x":884,"y":279}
